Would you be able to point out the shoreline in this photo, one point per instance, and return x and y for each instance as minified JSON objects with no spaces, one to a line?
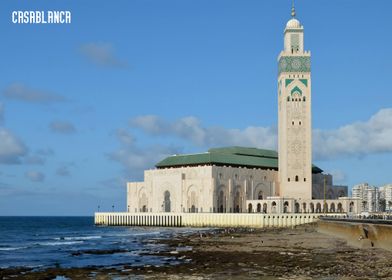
{"x":300,"y":253}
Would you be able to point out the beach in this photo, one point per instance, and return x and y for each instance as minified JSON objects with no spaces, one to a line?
{"x":293,"y":253}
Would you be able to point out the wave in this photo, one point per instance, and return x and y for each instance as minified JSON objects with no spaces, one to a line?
{"x":78,"y":237}
{"x":60,"y":243}
{"x":12,"y":248}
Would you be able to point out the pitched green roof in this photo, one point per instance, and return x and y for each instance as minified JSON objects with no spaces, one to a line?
{"x":229,"y":156}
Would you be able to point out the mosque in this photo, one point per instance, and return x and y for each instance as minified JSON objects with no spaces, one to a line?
{"x":252,"y":180}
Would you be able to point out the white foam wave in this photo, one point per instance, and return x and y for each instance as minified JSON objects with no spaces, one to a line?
{"x":12,"y":248}
{"x":78,"y":237}
{"x":60,"y":243}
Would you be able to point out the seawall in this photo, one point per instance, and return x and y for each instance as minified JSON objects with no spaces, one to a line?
{"x":252,"y":220}
{"x":359,"y":233}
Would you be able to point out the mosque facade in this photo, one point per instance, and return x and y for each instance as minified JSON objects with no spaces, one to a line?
{"x":251,"y":180}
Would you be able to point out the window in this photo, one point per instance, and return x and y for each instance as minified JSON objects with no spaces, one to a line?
{"x":304,"y":99}
{"x":288,"y":98}
{"x":292,"y":122}
{"x":304,"y":179}
{"x":288,"y":179}
{"x":300,"y":123}
{"x":296,"y":178}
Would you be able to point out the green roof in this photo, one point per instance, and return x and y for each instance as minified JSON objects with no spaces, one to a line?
{"x":228,"y":156}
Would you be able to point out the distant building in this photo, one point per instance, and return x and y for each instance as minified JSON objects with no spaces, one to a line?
{"x":369,"y":195}
{"x":386,"y":194}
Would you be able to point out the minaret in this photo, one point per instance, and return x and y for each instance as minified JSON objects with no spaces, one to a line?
{"x":294,"y":114}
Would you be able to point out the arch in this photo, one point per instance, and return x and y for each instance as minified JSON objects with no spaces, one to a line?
{"x":237,"y":200}
{"x":332,"y":208}
{"x":296,"y":178}
{"x":265,"y":207}
{"x":166,"y":201}
{"x":250,"y":210}
{"x":261,"y":190}
{"x":340,"y":208}
{"x":318,"y":207}
{"x":192,"y":199}
{"x":221,"y":201}
{"x":311,"y":206}
{"x":296,"y":207}
{"x":296,"y":90}
{"x":143,"y":200}
{"x":351,"y":206}
{"x":304,"y":207}
{"x":286,"y":207}
{"x":273,"y":207}
{"x":258,"y":207}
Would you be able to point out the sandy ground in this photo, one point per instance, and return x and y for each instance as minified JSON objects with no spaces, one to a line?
{"x":299,"y":253}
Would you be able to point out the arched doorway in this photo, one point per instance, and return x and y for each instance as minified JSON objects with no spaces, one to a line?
{"x":221,"y":202}
{"x":258,"y":207}
{"x":340,"y":208}
{"x":260,"y":195}
{"x":325,"y":207}
{"x":237,"y":202}
{"x":318,"y":208}
{"x":296,"y":207}
{"x":144,"y":208}
{"x":273,"y":208}
{"x":250,"y":210}
{"x":166,"y":202}
{"x":286,"y":207}
{"x":311,"y":207}
{"x":304,"y":207}
{"x":351,"y":209}
{"x":332,"y":208}
{"x":193,"y":209}
{"x":265,"y":208}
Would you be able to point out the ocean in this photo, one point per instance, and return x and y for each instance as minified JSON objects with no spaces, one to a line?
{"x":71,"y":242}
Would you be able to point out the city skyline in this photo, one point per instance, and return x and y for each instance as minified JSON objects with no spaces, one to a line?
{"x":87,"y":106}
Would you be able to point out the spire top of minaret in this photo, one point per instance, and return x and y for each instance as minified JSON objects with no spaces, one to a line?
{"x":293,"y":10}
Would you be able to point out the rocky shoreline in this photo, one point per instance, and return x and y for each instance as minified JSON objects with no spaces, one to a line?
{"x":298,"y":253}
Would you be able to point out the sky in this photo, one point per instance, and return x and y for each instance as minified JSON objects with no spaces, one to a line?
{"x":87,"y":106}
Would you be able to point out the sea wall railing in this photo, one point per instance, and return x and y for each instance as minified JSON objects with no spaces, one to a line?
{"x":254,"y":220}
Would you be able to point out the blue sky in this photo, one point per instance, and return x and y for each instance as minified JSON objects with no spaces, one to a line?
{"x":87,"y":106}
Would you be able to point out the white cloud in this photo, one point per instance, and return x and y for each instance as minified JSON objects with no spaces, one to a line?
{"x":190,"y":128}
{"x":24,"y":93}
{"x":357,"y":139}
{"x":102,"y":54}
{"x":353,"y":140}
{"x":35,"y":176}
{"x":12,"y":150}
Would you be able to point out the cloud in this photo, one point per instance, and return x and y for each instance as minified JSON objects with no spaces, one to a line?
{"x":62,"y":127}
{"x":12,"y":150}
{"x":45,"y":152}
{"x":35,"y":176}
{"x":21,"y":92}
{"x":353,"y":140}
{"x":190,"y":128}
{"x":358,"y":139}
{"x":102,"y":54}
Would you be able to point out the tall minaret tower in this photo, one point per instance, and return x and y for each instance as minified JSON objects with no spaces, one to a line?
{"x":294,"y":114}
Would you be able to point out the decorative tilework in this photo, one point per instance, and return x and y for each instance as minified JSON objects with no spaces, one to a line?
{"x":296,"y":90}
{"x":294,"y":64}
{"x":304,"y":81}
{"x":288,"y":81}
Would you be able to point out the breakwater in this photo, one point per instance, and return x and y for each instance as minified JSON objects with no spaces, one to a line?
{"x":361,"y":233}
{"x":252,"y":220}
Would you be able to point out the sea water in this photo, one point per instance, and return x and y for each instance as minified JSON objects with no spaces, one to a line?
{"x":42,"y":242}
